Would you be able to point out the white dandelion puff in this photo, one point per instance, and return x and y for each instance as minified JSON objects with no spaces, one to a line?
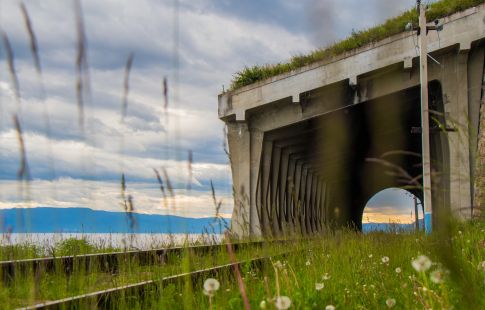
{"x":481,"y":266}
{"x":319,"y":286}
{"x":262,"y":304}
{"x":282,"y":302}
{"x":385,"y":259}
{"x":436,"y":276}
{"x":330,"y":307}
{"x":211,"y":286}
{"x":326,"y":276}
{"x":398,"y":270}
{"x":308,"y":263}
{"x":422,"y":263}
{"x":278,"y":265}
{"x":390,"y":302}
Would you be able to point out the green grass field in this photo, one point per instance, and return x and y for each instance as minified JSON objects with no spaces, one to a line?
{"x":345,"y":269}
{"x":349,"y":270}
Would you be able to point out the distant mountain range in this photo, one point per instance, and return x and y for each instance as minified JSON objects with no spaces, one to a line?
{"x":84,"y":220}
{"x":367,"y":227}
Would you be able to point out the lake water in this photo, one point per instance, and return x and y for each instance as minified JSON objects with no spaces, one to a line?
{"x":117,"y":240}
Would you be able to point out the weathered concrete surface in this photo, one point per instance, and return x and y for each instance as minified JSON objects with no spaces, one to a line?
{"x":310,"y":147}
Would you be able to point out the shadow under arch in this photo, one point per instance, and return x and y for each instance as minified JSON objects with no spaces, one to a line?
{"x":381,"y":147}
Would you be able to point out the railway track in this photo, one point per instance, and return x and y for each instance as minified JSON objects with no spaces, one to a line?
{"x":110,"y":298}
{"x":108,"y":262}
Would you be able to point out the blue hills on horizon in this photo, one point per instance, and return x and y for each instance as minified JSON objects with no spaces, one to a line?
{"x":85,"y":220}
{"x":389,"y":227}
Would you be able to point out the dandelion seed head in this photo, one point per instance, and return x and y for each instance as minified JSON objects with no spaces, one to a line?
{"x":326,"y":276}
{"x":308,"y":263}
{"x":482,"y":265}
{"x":421,"y":264}
{"x":319,"y":286}
{"x":262,"y":304}
{"x":398,"y":270}
{"x":278,"y":265}
{"x":211,"y":286}
{"x":330,"y":307}
{"x":385,"y":259}
{"x":390,"y":302}
{"x":282,"y":302}
{"x":436,"y":276}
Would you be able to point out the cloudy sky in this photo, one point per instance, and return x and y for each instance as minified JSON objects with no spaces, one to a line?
{"x":196,"y":45}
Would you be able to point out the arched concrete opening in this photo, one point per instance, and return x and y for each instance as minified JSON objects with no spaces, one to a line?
{"x":322,"y":171}
{"x":392,"y":208}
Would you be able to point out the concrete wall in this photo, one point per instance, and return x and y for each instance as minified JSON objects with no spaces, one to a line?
{"x":289,"y":177}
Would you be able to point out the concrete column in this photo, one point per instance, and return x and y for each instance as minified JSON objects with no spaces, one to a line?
{"x":290,"y":194}
{"x":296,"y":197}
{"x":455,"y":94}
{"x":307,"y":201}
{"x":475,"y":80}
{"x":275,"y":206}
{"x":315,"y":212}
{"x":301,"y":198}
{"x":283,"y":181}
{"x":256,"y":146}
{"x":265,"y":188}
{"x":239,"y":140}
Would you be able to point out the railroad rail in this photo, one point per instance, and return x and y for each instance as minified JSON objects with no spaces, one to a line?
{"x":108,"y":262}
{"x":108,"y":298}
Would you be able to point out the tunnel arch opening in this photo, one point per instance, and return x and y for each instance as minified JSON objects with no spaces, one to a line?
{"x":393,"y":209}
{"x":321,"y":172}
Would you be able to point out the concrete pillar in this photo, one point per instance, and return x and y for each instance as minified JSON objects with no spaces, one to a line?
{"x":239,"y":140}
{"x":282,"y":187}
{"x":256,"y":146}
{"x":455,"y":93}
{"x":479,"y":181}
{"x":266,"y":214}
{"x":274,"y":205}
{"x":290,"y":194}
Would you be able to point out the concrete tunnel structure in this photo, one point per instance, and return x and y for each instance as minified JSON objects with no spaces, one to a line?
{"x":309,"y":148}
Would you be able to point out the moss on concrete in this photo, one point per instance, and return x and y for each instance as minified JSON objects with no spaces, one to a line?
{"x":440,"y":9}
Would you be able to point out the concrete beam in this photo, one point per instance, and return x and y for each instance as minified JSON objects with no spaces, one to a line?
{"x":464,"y":27}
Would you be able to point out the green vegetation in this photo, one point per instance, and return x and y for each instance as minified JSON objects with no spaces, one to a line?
{"x":440,"y":9}
{"x":29,"y":287}
{"x":69,"y":246}
{"x":353,"y":271}
{"x":345,"y":269}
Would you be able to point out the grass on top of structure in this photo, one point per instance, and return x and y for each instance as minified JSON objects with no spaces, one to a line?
{"x":440,"y":9}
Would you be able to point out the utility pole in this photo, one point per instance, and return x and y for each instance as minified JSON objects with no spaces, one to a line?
{"x":416,"y":218}
{"x":423,"y":59}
